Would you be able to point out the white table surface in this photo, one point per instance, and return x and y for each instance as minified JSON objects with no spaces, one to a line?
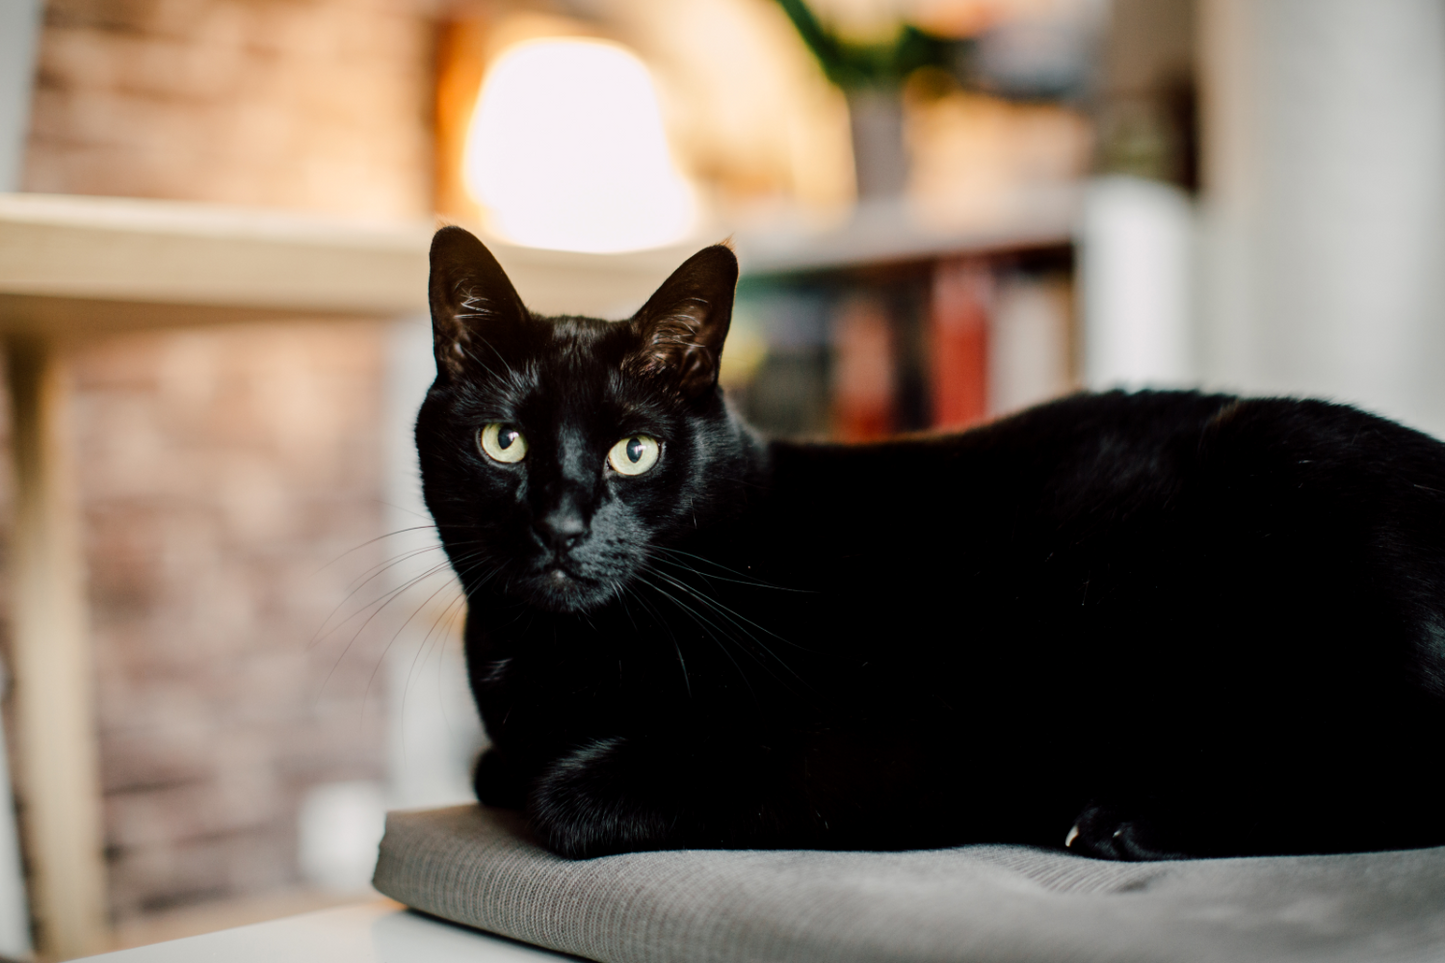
{"x":376,"y":932}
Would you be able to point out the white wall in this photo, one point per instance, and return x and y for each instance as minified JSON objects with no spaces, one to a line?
{"x":435,"y":732}
{"x":19,"y":35}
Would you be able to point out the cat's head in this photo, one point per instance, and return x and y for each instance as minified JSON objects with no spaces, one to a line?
{"x":557,"y":452}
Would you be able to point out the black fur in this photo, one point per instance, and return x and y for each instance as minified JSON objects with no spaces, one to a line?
{"x":1157,"y":624}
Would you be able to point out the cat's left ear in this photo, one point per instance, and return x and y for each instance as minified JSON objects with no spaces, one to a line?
{"x":683,"y":325}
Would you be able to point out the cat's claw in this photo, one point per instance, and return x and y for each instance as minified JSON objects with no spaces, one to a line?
{"x":1104,"y":833}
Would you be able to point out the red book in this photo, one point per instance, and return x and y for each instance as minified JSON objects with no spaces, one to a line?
{"x":863,"y":370}
{"x":958,"y":333}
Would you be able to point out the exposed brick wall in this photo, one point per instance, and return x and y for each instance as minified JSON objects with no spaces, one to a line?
{"x":314,"y":104}
{"x":221,"y":470}
{"x":230,"y":482}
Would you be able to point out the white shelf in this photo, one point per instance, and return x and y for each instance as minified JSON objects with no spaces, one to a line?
{"x":895,"y":230}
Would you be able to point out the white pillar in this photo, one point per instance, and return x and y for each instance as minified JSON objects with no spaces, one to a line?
{"x":1324,"y":134}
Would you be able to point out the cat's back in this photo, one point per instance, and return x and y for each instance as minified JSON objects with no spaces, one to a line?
{"x":1109,"y":506}
{"x":1121,"y":452}
{"x":1112,"y":453}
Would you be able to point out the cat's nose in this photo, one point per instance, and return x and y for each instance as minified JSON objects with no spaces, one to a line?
{"x":561,"y":530}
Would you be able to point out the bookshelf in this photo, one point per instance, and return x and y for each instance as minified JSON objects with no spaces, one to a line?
{"x":887,"y":324}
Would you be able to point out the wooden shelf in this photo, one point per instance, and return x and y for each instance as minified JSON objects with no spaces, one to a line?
{"x":73,"y":264}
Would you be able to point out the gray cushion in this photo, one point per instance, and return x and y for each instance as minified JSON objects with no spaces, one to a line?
{"x":975,"y":903}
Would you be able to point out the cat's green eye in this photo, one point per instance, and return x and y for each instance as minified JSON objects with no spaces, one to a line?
{"x":503,"y":443}
{"x":634,"y":455}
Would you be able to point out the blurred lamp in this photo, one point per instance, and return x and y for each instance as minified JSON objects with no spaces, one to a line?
{"x":566,"y":151}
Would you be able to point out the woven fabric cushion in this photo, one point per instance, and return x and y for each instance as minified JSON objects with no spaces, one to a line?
{"x":974,"y":903}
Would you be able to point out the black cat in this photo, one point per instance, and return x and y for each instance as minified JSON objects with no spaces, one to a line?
{"x":1139,"y":625}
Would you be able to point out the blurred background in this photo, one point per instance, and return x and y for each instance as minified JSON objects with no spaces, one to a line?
{"x":946,"y":210}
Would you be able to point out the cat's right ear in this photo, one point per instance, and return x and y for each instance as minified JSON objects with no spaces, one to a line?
{"x":474,"y":307}
{"x":683,"y":325}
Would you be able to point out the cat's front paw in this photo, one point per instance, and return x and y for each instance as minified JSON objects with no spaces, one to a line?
{"x":596,"y":801}
{"x":1107,"y":832}
{"x":497,"y":782}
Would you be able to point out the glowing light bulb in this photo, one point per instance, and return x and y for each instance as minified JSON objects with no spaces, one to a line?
{"x":566,"y":150}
